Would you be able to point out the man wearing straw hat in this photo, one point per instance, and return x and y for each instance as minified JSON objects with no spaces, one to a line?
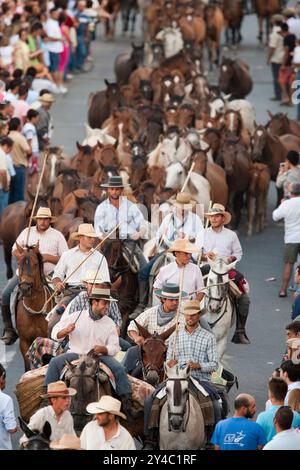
{"x":117,"y":209}
{"x":182,"y":267}
{"x":91,"y":330}
{"x":155,"y":319}
{"x":52,"y":245}
{"x":57,"y":413}
{"x":72,"y":258}
{"x":105,"y":432}
{"x":221,"y":242}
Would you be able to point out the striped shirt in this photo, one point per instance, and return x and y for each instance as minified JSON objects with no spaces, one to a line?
{"x":107,"y":217}
{"x":81,"y":301}
{"x":199,"y":346}
{"x":148,"y":319}
{"x":51,"y":242}
{"x":72,"y":258}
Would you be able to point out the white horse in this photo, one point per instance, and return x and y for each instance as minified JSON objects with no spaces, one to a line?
{"x":181,"y":425}
{"x":93,"y":136}
{"x":218,"y":303}
{"x":172,"y":40}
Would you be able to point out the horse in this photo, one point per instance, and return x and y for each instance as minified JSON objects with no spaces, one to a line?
{"x":34,"y":293}
{"x":181,"y":424}
{"x":172,"y":41}
{"x":267,"y":148}
{"x":233,"y":15}
{"x":102,"y":104}
{"x":214,"y":18}
{"x":122,"y":278}
{"x":257,"y":196}
{"x":126,"y":63}
{"x":84,"y":161}
{"x":265,"y":9}
{"x":36,"y":440}
{"x":235,"y":78}
{"x":218,"y":304}
{"x":153,"y":354}
{"x":280,"y":124}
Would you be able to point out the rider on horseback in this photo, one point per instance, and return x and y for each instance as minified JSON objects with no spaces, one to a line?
{"x":52,"y":245}
{"x":222,"y":242}
{"x":118,"y":209}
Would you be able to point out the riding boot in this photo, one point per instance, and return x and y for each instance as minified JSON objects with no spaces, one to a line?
{"x":143,"y":299}
{"x":127,"y":407}
{"x":242,"y":311}
{"x":9,"y":334}
{"x":151,"y":440}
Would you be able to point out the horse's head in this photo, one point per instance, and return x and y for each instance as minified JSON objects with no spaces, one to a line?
{"x":86,"y":208}
{"x":153,"y":354}
{"x":278,"y":124}
{"x":226,"y":74}
{"x":113,"y":94}
{"x":177,"y":396}
{"x":233,"y":121}
{"x":175,"y":175}
{"x":217,"y":285}
{"x":36,"y":440}
{"x":258,"y":143}
{"x":84,"y":160}
{"x":229,"y":153}
{"x":137,"y":54}
{"x":30,"y":269}
{"x":139,"y":170}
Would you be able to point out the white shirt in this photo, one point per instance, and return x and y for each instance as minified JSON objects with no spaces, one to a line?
{"x":30,"y":133}
{"x":88,"y":333}
{"x":51,"y":242}
{"x":276,"y":42}
{"x":65,"y":425}
{"x":172,"y":228}
{"x":294,"y":26}
{"x":7,"y":420}
{"x":291,"y":386}
{"x":224,"y":243}
{"x":107,"y":217}
{"x":93,"y":438}
{"x":192,"y":277}
{"x":72,"y":258}
{"x":3,"y":166}
{"x":52,"y":30}
{"x":284,"y":440}
{"x":289,"y":210}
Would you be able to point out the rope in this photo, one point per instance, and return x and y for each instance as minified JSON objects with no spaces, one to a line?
{"x":178,"y":312}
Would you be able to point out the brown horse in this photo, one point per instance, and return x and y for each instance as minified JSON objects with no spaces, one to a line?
{"x":257,"y":195}
{"x":235,"y":78}
{"x":126,"y":63}
{"x":153,"y":355}
{"x":84,"y":161}
{"x":264,"y":10}
{"x":268,"y":149}
{"x":102,"y":104}
{"x":214,"y":25}
{"x":280,"y":124}
{"x":30,"y":317}
{"x":233,"y":15}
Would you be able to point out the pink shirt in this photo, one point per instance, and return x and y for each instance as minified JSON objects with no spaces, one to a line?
{"x":20,"y":110}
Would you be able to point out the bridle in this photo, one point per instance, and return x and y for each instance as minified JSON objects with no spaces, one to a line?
{"x":151,"y":367}
{"x":186,"y":408}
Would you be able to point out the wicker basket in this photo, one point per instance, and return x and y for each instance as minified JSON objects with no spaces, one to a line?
{"x":28,"y":396}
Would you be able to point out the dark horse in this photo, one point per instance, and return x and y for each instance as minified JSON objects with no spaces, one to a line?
{"x":102,"y":104}
{"x":235,"y":78}
{"x":36,"y":440}
{"x":124,"y":281}
{"x":30,"y":316}
{"x":233,"y":14}
{"x":153,"y":355}
{"x":126,"y":63}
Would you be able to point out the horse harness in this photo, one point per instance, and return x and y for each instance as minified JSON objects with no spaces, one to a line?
{"x":177,"y":397}
{"x":224,"y":300}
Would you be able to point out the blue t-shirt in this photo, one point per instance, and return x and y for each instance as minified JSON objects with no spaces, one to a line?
{"x":296,"y":307}
{"x":265,"y":420}
{"x":238,"y":434}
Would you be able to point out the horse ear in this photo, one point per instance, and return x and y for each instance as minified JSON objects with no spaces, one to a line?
{"x":100,"y":145}
{"x":70,"y":366}
{"x":19,"y":248}
{"x":133,"y":45}
{"x":78,"y":145}
{"x":255,"y":124}
{"x":165,"y":335}
{"x":231,"y":265}
{"x":37,"y":246}
{"x":143,"y":331}
{"x":47,"y":430}
{"x":26,"y":430}
{"x":106,"y":82}
{"x":271,"y":115}
{"x":116,"y":144}
{"x":30,"y":194}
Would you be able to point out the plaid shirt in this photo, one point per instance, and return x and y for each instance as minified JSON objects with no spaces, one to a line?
{"x":81,"y":302}
{"x":199,"y":346}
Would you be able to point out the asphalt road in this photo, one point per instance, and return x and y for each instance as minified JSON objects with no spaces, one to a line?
{"x":254,"y":363}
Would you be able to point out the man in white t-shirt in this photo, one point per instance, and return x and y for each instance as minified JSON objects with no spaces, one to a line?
{"x":54,"y":44}
{"x":8,"y":424}
{"x":286,"y":437}
{"x":6,"y":145}
{"x":289,"y":210}
{"x":275,"y":54}
{"x":30,"y":133}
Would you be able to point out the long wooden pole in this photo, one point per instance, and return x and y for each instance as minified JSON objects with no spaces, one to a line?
{"x":187,"y":177}
{"x":37,"y":195}
{"x":82,"y":262}
{"x":178,"y":312}
{"x":206,"y":226}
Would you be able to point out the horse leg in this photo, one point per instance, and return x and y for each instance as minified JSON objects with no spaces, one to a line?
{"x":24,"y":346}
{"x":238,"y":204}
{"x":250,"y":210}
{"x":260,"y":28}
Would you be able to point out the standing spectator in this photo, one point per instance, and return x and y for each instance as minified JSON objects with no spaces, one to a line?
{"x":290,"y":372}
{"x":277,"y":391}
{"x":286,"y":73}
{"x":37,"y":53}
{"x":11,"y":94}
{"x":294,"y":402}
{"x":286,"y":438}
{"x":30,"y":133}
{"x":83,"y":33}
{"x":64,"y":56}
{"x":239,"y":432}
{"x":292,"y":20}
{"x":289,"y":210}
{"x":20,"y":106}
{"x":44,"y":124}
{"x":275,"y":54}
{"x":8,"y":424}
{"x":6,"y":172}
{"x":289,"y":172}
{"x":21,"y":152}
{"x":54,"y":45}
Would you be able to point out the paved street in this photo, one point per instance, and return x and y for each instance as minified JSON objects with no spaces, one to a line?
{"x":262,"y":259}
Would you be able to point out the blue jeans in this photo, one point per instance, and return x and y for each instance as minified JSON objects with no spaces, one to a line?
{"x":275,"y":73}
{"x":3,"y":200}
{"x":6,"y":293}
{"x":124,"y":345}
{"x":81,"y":53}
{"x":17,"y":185}
{"x":56,"y":365}
{"x":131,"y":359}
{"x":145,"y":271}
{"x":298,"y":95}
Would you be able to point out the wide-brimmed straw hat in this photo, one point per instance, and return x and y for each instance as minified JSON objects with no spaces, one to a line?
{"x":101,"y":294}
{"x":170,"y":291}
{"x":184,"y":245}
{"x":106,"y":404}
{"x":219,"y":209}
{"x":183,"y":199}
{"x":59,"y":389}
{"x":44,"y":213}
{"x":84,"y":230}
{"x":115,"y":182}
{"x":66,"y":442}
{"x":191,"y":307}
{"x":46,"y":98}
{"x":92,"y":276}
